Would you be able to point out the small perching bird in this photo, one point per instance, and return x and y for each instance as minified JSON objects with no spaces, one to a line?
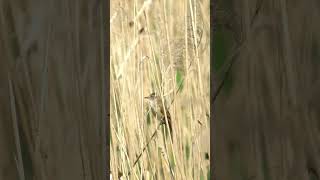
{"x":159,"y":110}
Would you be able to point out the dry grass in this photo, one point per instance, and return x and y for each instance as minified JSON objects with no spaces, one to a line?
{"x":152,"y":47}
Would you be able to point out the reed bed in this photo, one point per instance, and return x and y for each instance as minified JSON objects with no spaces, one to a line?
{"x":161,"y":47}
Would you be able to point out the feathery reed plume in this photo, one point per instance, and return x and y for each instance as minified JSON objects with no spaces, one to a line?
{"x":187,"y":40}
{"x":178,"y":30}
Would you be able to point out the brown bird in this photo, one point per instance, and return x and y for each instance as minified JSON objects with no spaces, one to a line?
{"x":158,"y":110}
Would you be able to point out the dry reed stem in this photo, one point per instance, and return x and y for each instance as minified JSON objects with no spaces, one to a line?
{"x":161,"y":159}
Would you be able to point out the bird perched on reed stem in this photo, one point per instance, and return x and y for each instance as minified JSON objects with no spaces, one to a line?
{"x":159,"y":110}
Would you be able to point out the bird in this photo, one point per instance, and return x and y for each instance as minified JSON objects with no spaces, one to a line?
{"x":159,"y":110}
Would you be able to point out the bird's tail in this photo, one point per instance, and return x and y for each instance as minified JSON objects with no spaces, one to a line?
{"x":169,"y":125}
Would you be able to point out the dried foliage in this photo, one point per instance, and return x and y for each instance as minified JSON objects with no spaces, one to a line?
{"x":161,"y":47}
